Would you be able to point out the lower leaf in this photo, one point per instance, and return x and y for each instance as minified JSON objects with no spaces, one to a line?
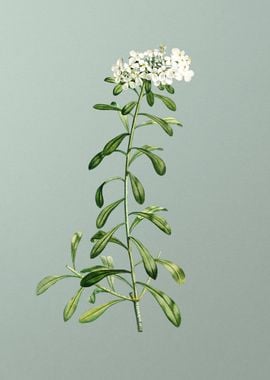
{"x":92,"y":314}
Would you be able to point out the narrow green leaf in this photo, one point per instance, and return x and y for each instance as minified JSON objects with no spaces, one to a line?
{"x":149,"y":210}
{"x":109,"y":80}
{"x":113,"y":144}
{"x":169,"y":89}
{"x":169,"y":103}
{"x":76,"y":238}
{"x":128,"y":108}
{"x":172,"y":120}
{"x":148,"y":260}
{"x":98,"y":235}
{"x":168,"y":306}
{"x":105,"y":213}
{"x":99,"y":195}
{"x":92,"y":314}
{"x":106,"y":107}
{"x":117,"y":89}
{"x":90,"y":269}
{"x":96,"y":160}
{"x":101,"y":243}
{"x":137,"y":188}
{"x":48,"y":281}
{"x":158,"y":163}
{"x":177,"y":273}
{"x":138,"y":153}
{"x":92,"y":298}
{"x":161,"y":87}
{"x":71,"y":306}
{"x":160,"y":222}
{"x":96,"y":275}
{"x":164,"y":125}
{"x":150,"y":98}
{"x":107,"y":261}
{"x":147,"y":86}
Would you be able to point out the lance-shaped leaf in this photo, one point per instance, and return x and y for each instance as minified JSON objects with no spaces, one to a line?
{"x":168,"y":306}
{"x":71,"y":306}
{"x":98,"y":235}
{"x":101,"y":243}
{"x":99,"y":193}
{"x":92,"y":298}
{"x":150,"y":148}
{"x":128,"y":108}
{"x":173,"y":121}
{"x":158,"y":163}
{"x":148,"y":260}
{"x":90,"y":269}
{"x":113,"y":144}
{"x":177,"y":273}
{"x":107,"y":261}
{"x":117,"y":89}
{"x":150,"y":98}
{"x":105,"y":213}
{"x":109,"y":80}
{"x":164,"y":125}
{"x":147,"y":86}
{"x":169,"y":89}
{"x":106,"y":107}
{"x":96,"y":160}
{"x":160,"y":222}
{"x":137,"y":188}
{"x":169,"y":103}
{"x":96,"y":275}
{"x":92,"y":314}
{"x":76,"y":238}
{"x":149,"y":210}
{"x":48,"y":281}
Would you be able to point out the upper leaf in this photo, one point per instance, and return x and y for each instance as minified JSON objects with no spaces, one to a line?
{"x":169,"y":103}
{"x":109,"y":80}
{"x":128,"y":108}
{"x":98,"y":274}
{"x":105,"y":213}
{"x":160,"y":222}
{"x":150,"y":148}
{"x":101,"y":243}
{"x":76,"y":238}
{"x":150,"y":98}
{"x":148,"y":260}
{"x":93,"y":314}
{"x":149,"y":210}
{"x":137,"y":188}
{"x":168,"y":306}
{"x":113,"y":144}
{"x":158,"y":163}
{"x":106,"y":107}
{"x":48,"y":281}
{"x":169,"y":89}
{"x":177,"y":273}
{"x":96,"y":160}
{"x":71,"y":306}
{"x":164,"y":125}
{"x":117,"y":89}
{"x":98,"y":235}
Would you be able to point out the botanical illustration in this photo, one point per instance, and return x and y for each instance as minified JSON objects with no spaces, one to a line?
{"x":148,"y":76}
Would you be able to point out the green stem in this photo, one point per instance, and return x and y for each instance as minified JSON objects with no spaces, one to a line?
{"x":113,"y":293}
{"x":131,"y":261}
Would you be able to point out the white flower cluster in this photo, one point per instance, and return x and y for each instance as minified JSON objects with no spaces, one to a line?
{"x":153,"y":65}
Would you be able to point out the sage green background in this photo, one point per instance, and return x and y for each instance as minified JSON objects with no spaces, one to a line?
{"x":54,"y":56}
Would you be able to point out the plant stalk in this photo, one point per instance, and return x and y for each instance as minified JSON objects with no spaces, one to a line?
{"x":133,"y":295}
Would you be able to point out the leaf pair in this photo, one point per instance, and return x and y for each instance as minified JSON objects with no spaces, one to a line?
{"x":163,"y":123}
{"x":157,"y":162}
{"x":157,"y":220}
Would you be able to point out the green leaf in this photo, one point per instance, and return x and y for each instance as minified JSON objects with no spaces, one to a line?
{"x":101,"y":243}
{"x":90,"y":269}
{"x":106,"y":107}
{"x":96,"y":160}
{"x":128,"y":108}
{"x":92,"y":298}
{"x":138,"y":153}
{"x":172,"y":120}
{"x":158,"y":163}
{"x":113,"y":144}
{"x":98,"y":235}
{"x":177,"y":273}
{"x":168,"y":306}
{"x":150,"y":98}
{"x":99,"y":195}
{"x":117,"y":89}
{"x":169,"y":103}
{"x":105,"y":213}
{"x":161,"y":87}
{"x":107,"y":261}
{"x":71,"y":306}
{"x":147,"y":86}
{"x":76,"y":238}
{"x":137,"y":188}
{"x":169,"y":89}
{"x":148,"y":260}
{"x":92,"y":314}
{"x":98,"y":274}
{"x":160,"y":222}
{"x":164,"y":125}
{"x":149,"y":210}
{"x":109,"y":80}
{"x":48,"y":281}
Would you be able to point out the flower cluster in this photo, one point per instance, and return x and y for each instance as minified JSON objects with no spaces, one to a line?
{"x":153,"y":65}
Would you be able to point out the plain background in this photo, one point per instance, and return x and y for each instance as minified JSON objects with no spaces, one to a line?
{"x":54,"y":56}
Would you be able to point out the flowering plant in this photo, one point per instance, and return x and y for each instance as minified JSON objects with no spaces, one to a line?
{"x":144,"y":73}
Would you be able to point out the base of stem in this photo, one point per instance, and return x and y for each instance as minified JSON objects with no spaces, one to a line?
{"x":138,"y":315}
